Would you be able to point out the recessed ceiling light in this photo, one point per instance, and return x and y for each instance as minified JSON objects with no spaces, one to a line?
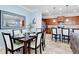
{"x":60,"y":9}
{"x":67,"y":5}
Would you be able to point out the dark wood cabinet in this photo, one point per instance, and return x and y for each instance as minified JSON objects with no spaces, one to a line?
{"x":72,"y":20}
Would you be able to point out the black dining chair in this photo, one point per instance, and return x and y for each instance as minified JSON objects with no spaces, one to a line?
{"x":17,"y":32}
{"x":43,"y":39}
{"x":36,"y":43}
{"x":65,"y":34}
{"x":54,"y":34}
{"x":9,"y":44}
{"x":58,"y":36}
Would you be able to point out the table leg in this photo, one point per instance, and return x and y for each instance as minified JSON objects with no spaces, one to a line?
{"x":25,"y":48}
{"x":28,"y":47}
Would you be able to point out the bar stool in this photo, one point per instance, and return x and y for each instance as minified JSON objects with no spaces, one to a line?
{"x":54,"y":34}
{"x":59,"y":34}
{"x":65,"y":34}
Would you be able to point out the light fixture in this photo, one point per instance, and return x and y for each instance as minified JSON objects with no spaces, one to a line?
{"x":67,"y":5}
{"x":54,"y":21}
{"x":67,"y":20}
{"x":67,"y":8}
{"x":60,"y":9}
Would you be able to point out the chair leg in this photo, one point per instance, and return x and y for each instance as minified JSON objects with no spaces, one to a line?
{"x":68,"y":41}
{"x":62,"y":39}
{"x":52,"y":37}
{"x":43,"y":46}
{"x":23,"y":51}
{"x":56,"y":40}
{"x":35,"y":51}
{"x":44,"y":43}
{"x":12,"y":52}
{"x":6,"y":51}
{"x":40,"y":50}
{"x":59,"y":37}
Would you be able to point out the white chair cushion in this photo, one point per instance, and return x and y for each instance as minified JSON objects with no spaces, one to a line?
{"x":16,"y":46}
{"x":38,"y":41}
{"x":65,"y":32}
{"x":7,"y":38}
{"x":54,"y":31}
{"x":33,"y":44}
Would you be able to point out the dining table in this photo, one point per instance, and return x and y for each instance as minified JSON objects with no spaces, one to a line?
{"x":26,"y":39}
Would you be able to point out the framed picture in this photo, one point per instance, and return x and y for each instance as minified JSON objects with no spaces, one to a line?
{"x":11,"y":20}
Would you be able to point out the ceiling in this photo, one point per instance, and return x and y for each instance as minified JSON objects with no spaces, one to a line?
{"x":54,"y":10}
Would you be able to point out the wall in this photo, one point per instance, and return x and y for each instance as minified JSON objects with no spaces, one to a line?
{"x":14,"y":9}
{"x":38,"y":19}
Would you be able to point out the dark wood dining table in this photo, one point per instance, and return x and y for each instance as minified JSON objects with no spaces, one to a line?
{"x":26,"y":40}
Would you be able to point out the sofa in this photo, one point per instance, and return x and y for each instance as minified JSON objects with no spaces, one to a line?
{"x":74,"y":42}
